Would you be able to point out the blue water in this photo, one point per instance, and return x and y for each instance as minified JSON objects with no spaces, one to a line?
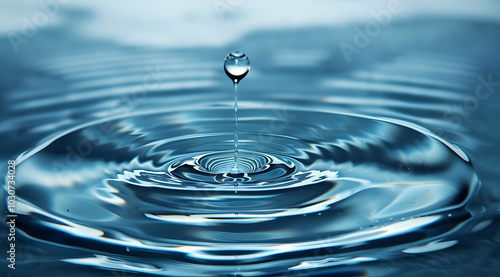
{"x":384,"y":166}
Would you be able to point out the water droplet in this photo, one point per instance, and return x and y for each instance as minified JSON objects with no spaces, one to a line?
{"x":319,"y":213}
{"x":236,"y":65}
{"x":449,"y":215}
{"x":127,"y":249}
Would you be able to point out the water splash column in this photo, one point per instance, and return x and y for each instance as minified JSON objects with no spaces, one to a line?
{"x":236,"y":66}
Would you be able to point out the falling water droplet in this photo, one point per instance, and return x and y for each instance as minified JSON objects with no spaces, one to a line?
{"x":236,"y":66}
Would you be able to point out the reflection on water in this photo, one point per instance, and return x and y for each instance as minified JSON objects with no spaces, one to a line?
{"x":373,"y":167}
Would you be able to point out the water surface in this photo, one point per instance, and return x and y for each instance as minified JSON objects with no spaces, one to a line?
{"x":381,"y":166}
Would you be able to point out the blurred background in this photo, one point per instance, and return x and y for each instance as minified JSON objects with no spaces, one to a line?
{"x":68,"y":64}
{"x":53,"y":49}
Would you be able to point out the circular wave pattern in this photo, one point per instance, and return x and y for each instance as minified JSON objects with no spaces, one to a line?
{"x":218,"y":168}
{"x":325,"y":188}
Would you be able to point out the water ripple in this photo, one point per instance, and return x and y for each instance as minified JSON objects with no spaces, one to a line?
{"x":168,"y":174}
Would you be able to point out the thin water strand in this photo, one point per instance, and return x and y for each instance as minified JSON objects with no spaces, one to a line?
{"x":235,"y":168}
{"x":236,"y":66}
